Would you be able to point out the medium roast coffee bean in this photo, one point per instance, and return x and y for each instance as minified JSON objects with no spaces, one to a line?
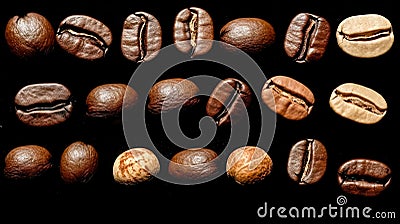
{"x":364,"y":177}
{"x":307,"y":161}
{"x":43,"y":104}
{"x":193,"y":164}
{"x":30,"y":35}
{"x":365,"y":36}
{"x":141,"y":37}
{"x":193,"y":31}
{"x":27,"y":162}
{"x":171,"y":94}
{"x":229,"y":101}
{"x":108,"y":100}
{"x":307,"y":38}
{"x":248,"y":165}
{"x":84,"y":37}
{"x":251,"y":35}
{"x":78,"y":163}
{"x":288,"y":97}
{"x":358,"y":103}
{"x":134,"y":166}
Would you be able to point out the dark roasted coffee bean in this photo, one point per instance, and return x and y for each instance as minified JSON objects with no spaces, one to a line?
{"x":27,"y":162}
{"x":43,"y":104}
{"x":251,"y":35}
{"x":108,"y":100}
{"x":307,"y":38}
{"x":364,"y":177}
{"x":193,"y":31}
{"x":194,"y":164}
{"x":288,"y":97}
{"x":171,"y":94}
{"x":30,"y":35}
{"x":307,"y":161}
{"x":78,"y":163}
{"x":84,"y":37}
{"x":229,"y":101}
{"x":141,"y":37}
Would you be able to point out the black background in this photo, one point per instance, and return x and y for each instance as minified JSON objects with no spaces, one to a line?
{"x":220,"y":200}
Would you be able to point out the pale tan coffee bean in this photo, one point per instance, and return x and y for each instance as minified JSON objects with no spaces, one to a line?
{"x":358,"y":103}
{"x":135,"y":165}
{"x":288,"y":97}
{"x":365,"y":36}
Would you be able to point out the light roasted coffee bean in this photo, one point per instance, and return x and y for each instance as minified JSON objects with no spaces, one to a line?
{"x":248,"y":165}
{"x":43,"y":104}
{"x":307,"y":37}
{"x":193,"y":164}
{"x":173,"y":93}
{"x":141,"y":37}
{"x":27,"y":162}
{"x":193,"y":31}
{"x":84,"y":37}
{"x":108,"y":100}
{"x":365,"y":36}
{"x":288,"y":97}
{"x":365,"y":177}
{"x":251,"y":35}
{"x":229,"y":101}
{"x":307,"y":161}
{"x":30,"y":35}
{"x":358,"y":103}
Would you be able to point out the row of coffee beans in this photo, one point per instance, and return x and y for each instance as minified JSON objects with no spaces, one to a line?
{"x":306,"y":39}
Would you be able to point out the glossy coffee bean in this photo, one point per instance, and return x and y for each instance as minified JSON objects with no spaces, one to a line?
{"x":173,"y":93}
{"x":365,"y":36}
{"x":27,"y":162}
{"x":358,"y":103}
{"x":251,"y":35}
{"x":141,"y":37}
{"x":248,"y":165}
{"x":193,"y":31}
{"x":108,"y":100}
{"x":30,"y":35}
{"x":84,"y":37}
{"x":229,"y":101}
{"x":193,"y":164}
{"x":135,"y":166}
{"x":364,"y":177}
{"x":78,"y":163}
{"x":307,"y":161}
{"x":307,"y":38}
{"x":288,"y":97}
{"x":43,"y":104}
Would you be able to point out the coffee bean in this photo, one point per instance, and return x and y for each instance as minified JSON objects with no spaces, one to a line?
{"x":78,"y":163}
{"x":30,"y":35}
{"x":84,"y":37}
{"x":288,"y":97}
{"x":43,"y":104}
{"x":358,"y":103}
{"x":229,"y":101}
{"x":193,"y":31}
{"x":135,"y":165}
{"x":307,"y":38}
{"x":248,"y":165}
{"x":109,"y":100}
{"x":141,"y":37}
{"x":251,"y":35}
{"x":193,"y":164}
{"x":307,"y":161}
{"x":365,"y":177}
{"x":27,"y":162}
{"x":365,"y":36}
{"x":169,"y":94}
